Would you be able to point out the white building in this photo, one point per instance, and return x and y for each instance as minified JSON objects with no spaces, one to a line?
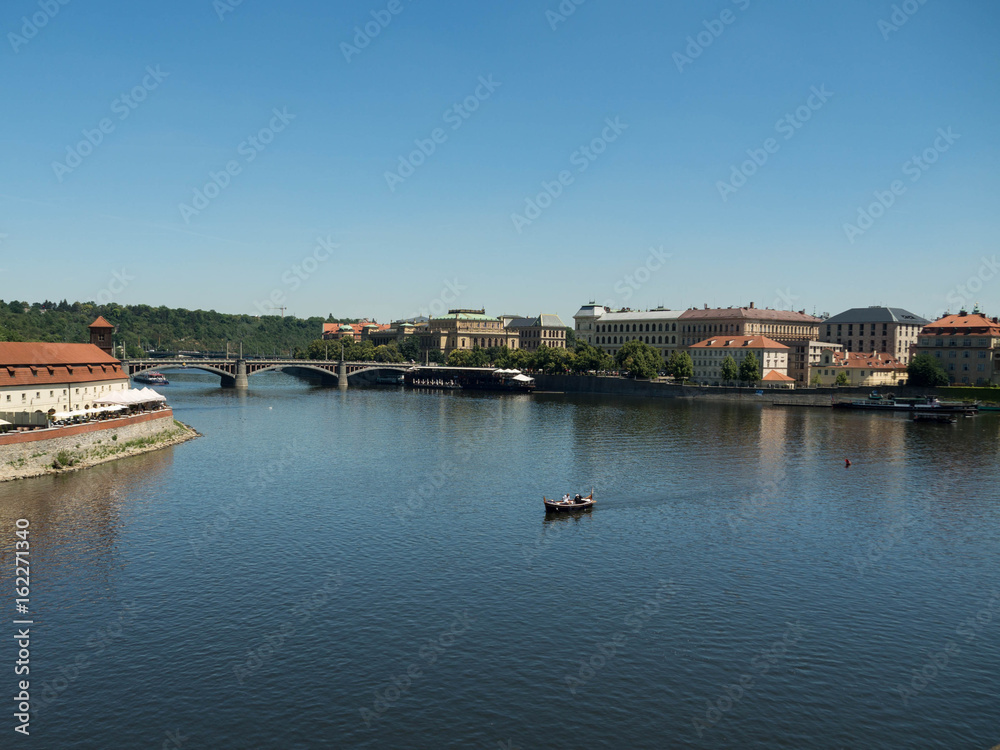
{"x":44,"y":378}
{"x":707,"y":357}
{"x":598,"y":326}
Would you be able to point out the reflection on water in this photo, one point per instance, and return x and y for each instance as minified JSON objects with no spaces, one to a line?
{"x":216,"y":544}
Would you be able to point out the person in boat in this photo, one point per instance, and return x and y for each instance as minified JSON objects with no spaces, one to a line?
{"x":578,"y":498}
{"x":566,"y":498}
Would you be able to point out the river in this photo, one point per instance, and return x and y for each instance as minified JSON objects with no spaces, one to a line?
{"x":373,"y":568}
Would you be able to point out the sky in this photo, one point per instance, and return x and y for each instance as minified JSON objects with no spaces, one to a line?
{"x":390,"y":158}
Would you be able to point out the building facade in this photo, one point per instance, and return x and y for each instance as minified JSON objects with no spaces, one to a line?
{"x":871,"y":369}
{"x":45,"y":378}
{"x":708,"y":356}
{"x":608,"y":331}
{"x":967,"y":346}
{"x":805,"y":357}
{"x":459,"y":329}
{"x":887,"y":330}
{"x":545,"y":330}
{"x":782,"y":326}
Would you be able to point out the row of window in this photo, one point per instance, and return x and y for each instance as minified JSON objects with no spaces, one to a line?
{"x":648,"y":339}
{"x":636,"y":327}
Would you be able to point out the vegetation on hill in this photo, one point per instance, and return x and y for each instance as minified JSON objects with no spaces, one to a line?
{"x":160,"y":328}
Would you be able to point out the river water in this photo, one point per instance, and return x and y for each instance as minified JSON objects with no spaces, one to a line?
{"x":373,"y":569}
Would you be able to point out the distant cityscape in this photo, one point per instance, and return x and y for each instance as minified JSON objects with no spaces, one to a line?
{"x":863,"y":346}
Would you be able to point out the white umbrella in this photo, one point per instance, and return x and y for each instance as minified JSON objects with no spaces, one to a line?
{"x":4,"y":422}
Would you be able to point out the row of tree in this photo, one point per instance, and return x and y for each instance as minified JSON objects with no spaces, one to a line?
{"x":140,"y":327}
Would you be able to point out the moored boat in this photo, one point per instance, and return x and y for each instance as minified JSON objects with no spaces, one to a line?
{"x":151,"y":378}
{"x":579,"y":502}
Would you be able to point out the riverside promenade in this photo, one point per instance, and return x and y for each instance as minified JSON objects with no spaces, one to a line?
{"x":618,"y":386}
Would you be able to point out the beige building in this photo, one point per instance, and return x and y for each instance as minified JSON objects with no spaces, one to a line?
{"x":545,"y":330}
{"x":459,"y":329}
{"x":598,"y":326}
{"x":888,"y":330}
{"x":44,"y":378}
{"x":967,"y":345}
{"x":782,"y":326}
{"x":872,"y":369}
{"x":708,"y":355}
{"x":805,"y":357}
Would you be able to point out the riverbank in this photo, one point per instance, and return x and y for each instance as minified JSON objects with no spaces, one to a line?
{"x":615,"y":386}
{"x":57,"y":451}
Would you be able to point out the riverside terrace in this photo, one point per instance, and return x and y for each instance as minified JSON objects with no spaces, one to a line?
{"x":235,"y":372}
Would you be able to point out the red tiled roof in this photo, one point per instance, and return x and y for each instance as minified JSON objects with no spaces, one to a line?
{"x":867,"y":360}
{"x":974,"y":323}
{"x":331,"y":327}
{"x":754,"y":313}
{"x":100,"y":323}
{"x":39,"y":363}
{"x":739,"y":342}
{"x":775,"y":376}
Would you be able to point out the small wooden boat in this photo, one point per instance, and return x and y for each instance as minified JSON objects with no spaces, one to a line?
{"x":562,"y":506}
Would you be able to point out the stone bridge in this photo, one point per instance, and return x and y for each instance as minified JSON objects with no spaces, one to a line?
{"x":235,"y":373}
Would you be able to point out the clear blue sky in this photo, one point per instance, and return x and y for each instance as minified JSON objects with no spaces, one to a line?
{"x":778,"y":240}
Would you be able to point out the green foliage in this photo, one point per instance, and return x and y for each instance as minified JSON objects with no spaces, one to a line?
{"x":162,"y":328}
{"x":816,"y":379}
{"x":680,"y":366}
{"x":750,"y":368}
{"x":589,"y":358}
{"x":730,"y":371}
{"x":926,"y":372}
{"x":842,"y":379}
{"x":409,"y":348}
{"x":639,"y":359}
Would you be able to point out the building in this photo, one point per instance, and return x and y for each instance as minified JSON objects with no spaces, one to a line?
{"x":889,"y":330}
{"x":459,"y":329}
{"x":805,"y":357}
{"x":708,"y":355}
{"x":102,"y":335}
{"x":598,"y":326}
{"x":871,"y":369}
{"x":545,"y":330}
{"x":967,"y":346}
{"x":43,"y":378}
{"x":782,"y":326}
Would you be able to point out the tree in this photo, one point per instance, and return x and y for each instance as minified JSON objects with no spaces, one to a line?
{"x":926,"y":372}
{"x":750,"y":369}
{"x":730,"y":371}
{"x":589,"y":358}
{"x":842,"y":379}
{"x":816,"y":380}
{"x":639,"y":358}
{"x":409,"y":347}
{"x":680,"y":366}
{"x":460,"y":358}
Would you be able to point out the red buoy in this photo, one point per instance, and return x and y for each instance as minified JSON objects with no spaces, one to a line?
{"x":847,"y":463}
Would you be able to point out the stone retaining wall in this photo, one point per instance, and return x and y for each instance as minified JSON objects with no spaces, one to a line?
{"x":614,"y":386}
{"x":33,"y":453}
